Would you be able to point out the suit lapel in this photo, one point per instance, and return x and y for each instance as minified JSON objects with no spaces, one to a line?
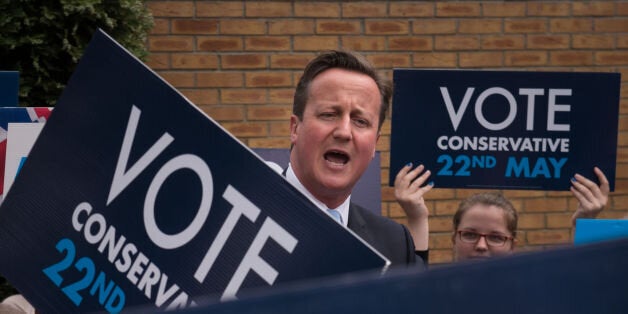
{"x":357,"y":223}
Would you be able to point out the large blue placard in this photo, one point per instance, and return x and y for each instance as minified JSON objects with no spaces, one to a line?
{"x":131,"y":196}
{"x":505,"y":129}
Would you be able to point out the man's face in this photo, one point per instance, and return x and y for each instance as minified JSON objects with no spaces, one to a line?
{"x":335,"y":141}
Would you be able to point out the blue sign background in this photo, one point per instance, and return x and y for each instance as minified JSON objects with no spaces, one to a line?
{"x":9,"y":88}
{"x":73,"y":162}
{"x":420,"y":117}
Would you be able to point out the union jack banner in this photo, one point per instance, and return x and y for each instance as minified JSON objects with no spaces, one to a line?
{"x":16,"y":114}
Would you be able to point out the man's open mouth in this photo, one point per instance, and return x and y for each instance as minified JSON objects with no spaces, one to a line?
{"x":336,"y":157}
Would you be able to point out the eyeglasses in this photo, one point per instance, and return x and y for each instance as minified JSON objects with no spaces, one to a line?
{"x":492,"y":239}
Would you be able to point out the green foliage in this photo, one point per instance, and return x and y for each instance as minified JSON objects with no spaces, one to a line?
{"x":44,"y":40}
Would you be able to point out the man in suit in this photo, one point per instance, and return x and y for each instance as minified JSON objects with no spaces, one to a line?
{"x":340,"y":104}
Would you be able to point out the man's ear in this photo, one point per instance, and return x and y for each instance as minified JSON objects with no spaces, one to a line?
{"x":376,"y":140}
{"x":294,"y":124}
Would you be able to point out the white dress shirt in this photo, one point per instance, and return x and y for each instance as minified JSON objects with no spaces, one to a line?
{"x":343,"y":209}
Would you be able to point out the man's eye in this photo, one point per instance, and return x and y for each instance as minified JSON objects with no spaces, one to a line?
{"x":361,"y":122}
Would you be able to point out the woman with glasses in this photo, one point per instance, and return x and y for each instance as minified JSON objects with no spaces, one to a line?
{"x":485,"y":225}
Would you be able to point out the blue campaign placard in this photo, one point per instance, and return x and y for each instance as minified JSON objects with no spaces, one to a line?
{"x":505,"y":129}
{"x":132,"y":196}
{"x":9,"y":88}
{"x":596,"y":230}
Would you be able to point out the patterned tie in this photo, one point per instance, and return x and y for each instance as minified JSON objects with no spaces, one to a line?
{"x":336,"y":214}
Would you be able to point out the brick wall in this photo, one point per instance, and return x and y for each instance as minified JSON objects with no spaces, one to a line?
{"x":240,"y":60}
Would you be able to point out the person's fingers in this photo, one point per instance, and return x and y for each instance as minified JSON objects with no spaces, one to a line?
{"x":586,"y":191}
{"x":418,"y":182}
{"x":401,"y":175}
{"x":604,"y":185}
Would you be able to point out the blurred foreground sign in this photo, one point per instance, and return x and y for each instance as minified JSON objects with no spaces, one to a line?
{"x":132,"y":196}
{"x":505,"y":129}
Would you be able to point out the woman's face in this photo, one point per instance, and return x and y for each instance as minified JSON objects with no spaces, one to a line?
{"x":482,"y":233}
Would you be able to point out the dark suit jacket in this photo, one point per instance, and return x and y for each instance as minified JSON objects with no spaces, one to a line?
{"x":391,"y":239}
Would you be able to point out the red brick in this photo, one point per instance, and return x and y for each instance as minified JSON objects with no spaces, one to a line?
{"x":268,"y":9}
{"x":194,"y":61}
{"x":503,"y":9}
{"x":545,"y":205}
{"x":389,"y":60}
{"x":171,"y":9}
{"x":445,"y":207}
{"x":405,"y":9}
{"x":246,"y":129}
{"x":571,"y":25}
{"x":178,"y":79}
{"x":480,"y":59}
{"x":447,"y":42}
{"x":525,"y":58}
{"x":440,"y":224}
{"x":229,"y":113}
{"x":246,"y":61}
{"x":611,"y":26}
{"x":480,"y":26}
{"x":314,"y":43}
{"x":268,"y":79}
{"x":386,"y":27}
{"x":269,"y":143}
{"x":531,"y":221}
{"x":219,"y":43}
{"x":289,"y":27}
{"x":457,"y":9}
{"x":201,"y":96}
{"x":434,"y":26}
{"x":413,"y":43}
{"x":267,"y":43}
{"x":170,"y":43}
{"x":242,"y":27}
{"x":364,"y":43}
{"x":281,"y":96}
{"x":548,"y":237}
{"x":219,"y":9}
{"x":548,"y":9}
{"x":267,"y":113}
{"x":571,"y":58}
{"x":548,"y":41}
{"x":502,"y":42}
{"x":194,"y":26}
{"x":160,"y":26}
{"x":440,"y":241}
{"x":441,"y":256}
{"x":525,"y":26}
{"x":289,"y":61}
{"x":622,"y":9}
{"x":316,"y":9}
{"x":158,"y":61}
{"x":611,"y":58}
{"x":593,"y":8}
{"x":562,"y":220}
{"x":622,"y":41}
{"x":593,"y":41}
{"x":364,"y":9}
{"x":434,"y":60}
{"x":220,"y":79}
{"x":327,"y":27}
{"x":280,"y":129}
{"x":383,"y":143}
{"x":243,"y":96}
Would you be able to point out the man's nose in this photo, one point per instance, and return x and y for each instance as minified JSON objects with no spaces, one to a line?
{"x":343,"y":129}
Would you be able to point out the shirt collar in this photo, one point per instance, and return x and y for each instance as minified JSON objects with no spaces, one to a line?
{"x":343,"y":209}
